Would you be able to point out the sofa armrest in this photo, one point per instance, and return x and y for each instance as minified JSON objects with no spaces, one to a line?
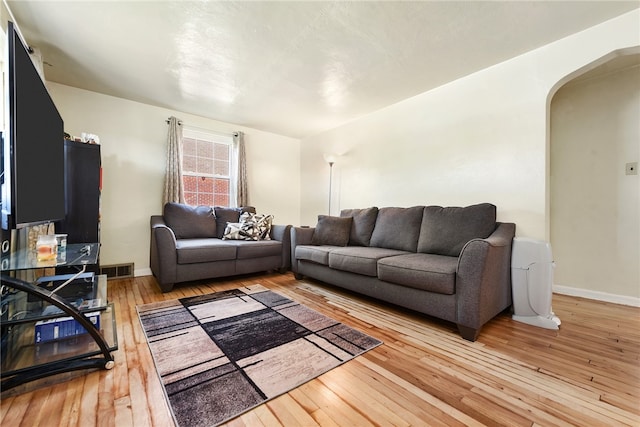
{"x":163,"y":257}
{"x":282,"y":233}
{"x":299,"y":236}
{"x":483,"y":280}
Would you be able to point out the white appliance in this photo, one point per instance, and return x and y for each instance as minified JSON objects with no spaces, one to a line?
{"x":531,"y":280}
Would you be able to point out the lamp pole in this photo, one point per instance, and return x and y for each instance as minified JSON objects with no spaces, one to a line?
{"x":330,"y":182}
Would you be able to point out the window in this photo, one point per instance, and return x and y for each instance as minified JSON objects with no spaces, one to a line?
{"x":207,"y":168}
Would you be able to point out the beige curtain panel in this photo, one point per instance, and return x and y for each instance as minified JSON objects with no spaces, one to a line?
{"x":173,"y":187}
{"x":242,"y":192}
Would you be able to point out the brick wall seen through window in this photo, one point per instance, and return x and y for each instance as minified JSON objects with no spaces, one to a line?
{"x":206,"y":168}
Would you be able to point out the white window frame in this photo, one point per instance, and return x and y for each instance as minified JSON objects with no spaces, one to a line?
{"x":218,"y":138}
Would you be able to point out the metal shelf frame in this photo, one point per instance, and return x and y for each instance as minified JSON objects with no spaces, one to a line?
{"x":98,"y":359}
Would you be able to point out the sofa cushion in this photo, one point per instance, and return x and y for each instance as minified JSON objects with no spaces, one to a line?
{"x":445,"y":231}
{"x":433,"y":273}
{"x":363,"y":222}
{"x":360,"y":260}
{"x":189,"y":222}
{"x":332,"y":230}
{"x":256,"y":249}
{"x":225,"y":215}
{"x":317,"y":254}
{"x":204,"y":250}
{"x":397,"y":228}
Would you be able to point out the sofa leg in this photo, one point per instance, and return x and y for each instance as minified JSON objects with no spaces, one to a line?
{"x":298,"y":276}
{"x":166,"y":287}
{"x":283,"y":270}
{"x":469,"y":334}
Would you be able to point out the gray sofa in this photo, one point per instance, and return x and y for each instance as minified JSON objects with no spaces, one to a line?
{"x":452,"y":263}
{"x":189,"y":243}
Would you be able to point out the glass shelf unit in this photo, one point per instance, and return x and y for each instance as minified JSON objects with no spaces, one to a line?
{"x":35,"y":340}
{"x":78,"y":254}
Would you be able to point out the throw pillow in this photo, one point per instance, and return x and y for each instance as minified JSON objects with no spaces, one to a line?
{"x":445,"y":231}
{"x":238,"y":231}
{"x":189,"y":222}
{"x":261,"y":224}
{"x":250,"y":227}
{"x":225,"y":215}
{"x":332,"y":230}
{"x":363,"y":222}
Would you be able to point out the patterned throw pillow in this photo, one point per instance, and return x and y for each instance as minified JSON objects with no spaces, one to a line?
{"x":261,"y":222}
{"x":251,"y":227}
{"x":224,"y":215}
{"x":235,"y":231}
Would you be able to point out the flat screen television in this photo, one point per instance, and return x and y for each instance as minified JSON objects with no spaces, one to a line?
{"x":32,"y":145}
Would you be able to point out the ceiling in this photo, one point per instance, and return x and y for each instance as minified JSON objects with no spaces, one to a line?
{"x":291,"y":68}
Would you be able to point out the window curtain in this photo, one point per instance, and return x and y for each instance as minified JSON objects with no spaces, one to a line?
{"x":173,"y":187}
{"x":242,"y":193}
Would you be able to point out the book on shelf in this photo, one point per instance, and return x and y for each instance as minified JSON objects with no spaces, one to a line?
{"x":63,"y":327}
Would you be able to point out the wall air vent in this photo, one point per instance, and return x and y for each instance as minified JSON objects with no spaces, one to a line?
{"x":117,"y":271}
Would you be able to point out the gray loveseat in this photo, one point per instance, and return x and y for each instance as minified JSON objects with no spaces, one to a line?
{"x":452,"y":263}
{"x":189,"y":243}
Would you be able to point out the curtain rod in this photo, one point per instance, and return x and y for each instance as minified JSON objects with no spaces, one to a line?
{"x":207,"y":130}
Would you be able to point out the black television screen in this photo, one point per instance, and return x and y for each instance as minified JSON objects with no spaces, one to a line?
{"x":33,"y":147}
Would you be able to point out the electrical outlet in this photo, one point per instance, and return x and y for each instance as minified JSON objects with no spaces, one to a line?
{"x":631,"y":168}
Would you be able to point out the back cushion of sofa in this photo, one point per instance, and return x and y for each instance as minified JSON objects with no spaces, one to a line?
{"x":362,"y":227}
{"x":446,"y":230}
{"x":225,"y":215}
{"x":188,"y":222}
{"x":332,"y":230}
{"x":397,"y":228}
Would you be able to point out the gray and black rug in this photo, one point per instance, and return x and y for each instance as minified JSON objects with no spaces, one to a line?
{"x":222,"y":354}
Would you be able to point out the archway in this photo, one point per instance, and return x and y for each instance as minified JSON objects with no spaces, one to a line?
{"x":592,"y":206}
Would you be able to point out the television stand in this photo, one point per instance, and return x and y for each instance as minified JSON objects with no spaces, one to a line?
{"x":47,"y":327}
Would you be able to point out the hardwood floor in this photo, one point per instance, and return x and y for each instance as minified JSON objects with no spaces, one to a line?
{"x":585,"y":374}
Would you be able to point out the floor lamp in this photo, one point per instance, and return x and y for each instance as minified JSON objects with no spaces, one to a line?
{"x":331,"y":160}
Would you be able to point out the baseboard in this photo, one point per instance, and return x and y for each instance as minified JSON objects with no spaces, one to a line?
{"x":142,"y":272}
{"x":596,"y":295}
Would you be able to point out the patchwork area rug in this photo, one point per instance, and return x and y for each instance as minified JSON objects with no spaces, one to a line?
{"x":222,"y":354}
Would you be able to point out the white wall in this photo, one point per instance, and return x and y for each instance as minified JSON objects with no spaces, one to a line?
{"x":595,"y":207}
{"x":480,"y":138}
{"x":133,"y":139}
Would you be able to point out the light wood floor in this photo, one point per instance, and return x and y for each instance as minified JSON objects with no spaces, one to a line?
{"x":586,"y":374}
